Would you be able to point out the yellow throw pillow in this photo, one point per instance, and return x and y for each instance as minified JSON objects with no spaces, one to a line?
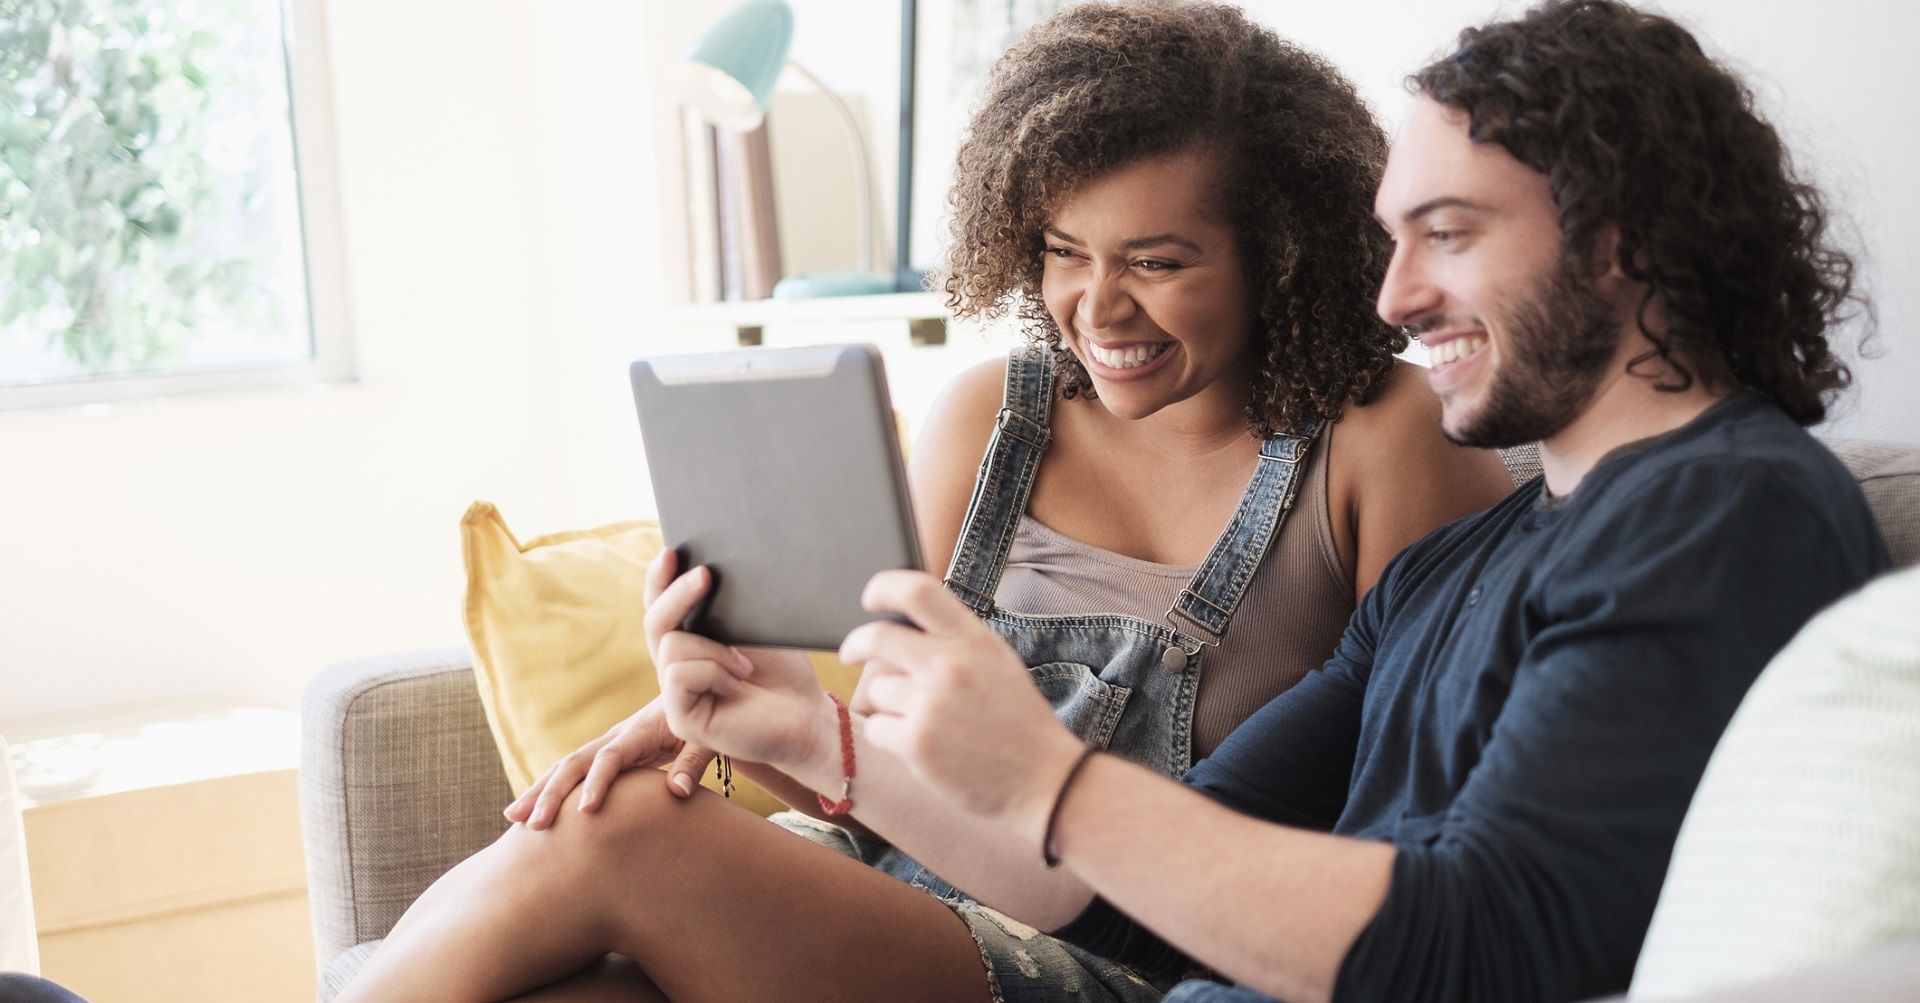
{"x":559,"y":648}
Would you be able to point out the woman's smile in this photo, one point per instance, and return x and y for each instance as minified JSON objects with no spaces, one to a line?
{"x":1125,"y":361}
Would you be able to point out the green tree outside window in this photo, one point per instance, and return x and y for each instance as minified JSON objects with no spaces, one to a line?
{"x":148,"y":207}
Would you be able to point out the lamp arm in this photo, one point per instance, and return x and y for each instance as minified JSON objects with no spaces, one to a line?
{"x":862,"y":183}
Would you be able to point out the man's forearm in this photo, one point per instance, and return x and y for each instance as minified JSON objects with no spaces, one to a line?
{"x":1270,"y":906}
{"x":972,"y":853}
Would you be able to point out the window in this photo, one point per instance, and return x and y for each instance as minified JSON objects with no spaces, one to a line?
{"x":152,"y":233}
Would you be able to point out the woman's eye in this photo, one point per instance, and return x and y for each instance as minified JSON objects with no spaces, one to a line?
{"x":1155,"y":266}
{"x":1058,"y":252}
{"x":1444,"y":236}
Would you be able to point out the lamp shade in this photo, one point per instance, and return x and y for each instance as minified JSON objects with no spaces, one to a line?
{"x":730,"y":73}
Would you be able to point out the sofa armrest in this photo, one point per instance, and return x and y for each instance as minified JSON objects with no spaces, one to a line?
{"x":399,"y":780}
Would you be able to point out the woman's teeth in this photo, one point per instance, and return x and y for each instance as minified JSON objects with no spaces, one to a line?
{"x":1127,"y":357}
{"x":1458,"y":348}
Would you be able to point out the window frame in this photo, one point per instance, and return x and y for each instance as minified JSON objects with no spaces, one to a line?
{"x":317,"y":190}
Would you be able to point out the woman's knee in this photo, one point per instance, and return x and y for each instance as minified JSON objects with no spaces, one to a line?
{"x":638,"y":813}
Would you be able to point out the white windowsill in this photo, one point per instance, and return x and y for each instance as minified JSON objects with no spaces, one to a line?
{"x":189,"y":401}
{"x":65,"y":757}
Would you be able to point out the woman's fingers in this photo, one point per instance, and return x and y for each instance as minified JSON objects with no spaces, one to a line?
{"x":670,"y":607}
{"x":680,"y":646}
{"x":560,"y":782}
{"x":522,"y":806}
{"x":660,"y":571}
{"x":606,"y":765}
{"x":685,"y":684}
{"x":687,"y":769}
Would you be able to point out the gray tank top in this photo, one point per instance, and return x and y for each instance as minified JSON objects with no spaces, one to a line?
{"x":1294,"y":611}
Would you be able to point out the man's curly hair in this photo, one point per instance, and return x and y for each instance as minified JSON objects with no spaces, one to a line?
{"x":1102,"y":85}
{"x":1637,"y":129}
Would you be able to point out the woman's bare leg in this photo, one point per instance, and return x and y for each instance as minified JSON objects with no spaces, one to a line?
{"x":711,"y":901}
{"x":613,"y":979}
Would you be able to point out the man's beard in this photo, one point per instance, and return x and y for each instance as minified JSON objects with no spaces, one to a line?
{"x":1560,"y":339}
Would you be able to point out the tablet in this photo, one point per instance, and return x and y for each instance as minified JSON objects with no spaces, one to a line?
{"x":779,"y":469}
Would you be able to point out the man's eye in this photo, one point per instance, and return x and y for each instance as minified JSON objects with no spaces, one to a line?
{"x":1150,"y":265}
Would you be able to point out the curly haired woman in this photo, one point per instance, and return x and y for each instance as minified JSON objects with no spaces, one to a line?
{"x":1175,"y":206}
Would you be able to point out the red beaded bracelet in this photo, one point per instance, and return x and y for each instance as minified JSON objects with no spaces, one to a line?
{"x":835,"y":809}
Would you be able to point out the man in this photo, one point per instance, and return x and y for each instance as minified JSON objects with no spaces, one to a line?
{"x":1606,"y":251}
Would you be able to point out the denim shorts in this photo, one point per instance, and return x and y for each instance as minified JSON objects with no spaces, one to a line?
{"x":1023,"y":965}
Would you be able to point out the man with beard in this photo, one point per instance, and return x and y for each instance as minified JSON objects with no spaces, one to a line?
{"x":1607,"y":252}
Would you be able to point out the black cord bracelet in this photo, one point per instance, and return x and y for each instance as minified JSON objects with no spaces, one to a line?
{"x":1053,"y":816}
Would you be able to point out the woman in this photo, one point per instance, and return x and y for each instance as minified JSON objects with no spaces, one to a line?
{"x":1175,"y":205}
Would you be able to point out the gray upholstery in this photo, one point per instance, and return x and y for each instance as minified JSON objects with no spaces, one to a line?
{"x":1889,"y":475}
{"x":399,"y":781}
{"x":400,"y":778}
{"x":1523,"y":462}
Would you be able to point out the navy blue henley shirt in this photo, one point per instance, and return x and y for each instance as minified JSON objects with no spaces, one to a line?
{"x":1525,"y":703}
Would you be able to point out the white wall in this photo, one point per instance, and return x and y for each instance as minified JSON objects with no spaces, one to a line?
{"x":511,"y":235}
{"x":1840,"y":83}
{"x":494,"y":162}
{"x":1838,"y":79}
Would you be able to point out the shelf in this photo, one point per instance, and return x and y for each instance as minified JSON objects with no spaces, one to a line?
{"x":924,"y":314}
{"x":759,"y":313}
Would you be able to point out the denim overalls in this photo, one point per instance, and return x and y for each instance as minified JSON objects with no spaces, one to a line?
{"x":1123,"y":684}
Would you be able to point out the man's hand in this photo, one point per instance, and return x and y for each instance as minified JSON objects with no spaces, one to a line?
{"x":956,"y":703}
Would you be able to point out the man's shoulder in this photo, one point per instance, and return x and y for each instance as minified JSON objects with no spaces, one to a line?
{"x":1747,"y":477}
{"x":1746,"y":431}
{"x":1748,"y":453}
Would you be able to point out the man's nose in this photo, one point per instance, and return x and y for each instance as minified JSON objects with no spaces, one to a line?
{"x":1407,"y":294}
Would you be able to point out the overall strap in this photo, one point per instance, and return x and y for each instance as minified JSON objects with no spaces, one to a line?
{"x":1206,"y":605}
{"x":1020,"y":435}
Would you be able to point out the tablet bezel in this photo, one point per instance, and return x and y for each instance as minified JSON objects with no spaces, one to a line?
{"x":780,"y":469}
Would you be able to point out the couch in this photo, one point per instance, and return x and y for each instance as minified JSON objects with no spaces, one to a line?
{"x":400,"y":778}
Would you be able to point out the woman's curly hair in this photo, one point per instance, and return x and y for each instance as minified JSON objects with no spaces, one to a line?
{"x":1098,"y":86}
{"x":1637,"y":129}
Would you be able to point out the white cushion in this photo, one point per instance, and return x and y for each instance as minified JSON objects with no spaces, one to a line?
{"x":1802,"y":844}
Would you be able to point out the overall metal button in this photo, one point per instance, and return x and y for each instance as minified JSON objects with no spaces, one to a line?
{"x":1174,"y":659}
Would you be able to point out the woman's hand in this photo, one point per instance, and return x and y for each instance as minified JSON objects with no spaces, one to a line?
{"x":764,"y":707}
{"x":640,"y":741}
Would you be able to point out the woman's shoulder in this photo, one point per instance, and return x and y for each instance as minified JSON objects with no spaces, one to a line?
{"x":948,"y":449}
{"x":1397,"y":436}
{"x":964,"y":410}
{"x":1393,"y":475}
{"x":1404,"y":406}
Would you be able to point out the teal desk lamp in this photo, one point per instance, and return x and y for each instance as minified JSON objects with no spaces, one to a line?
{"x":729,"y":79}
